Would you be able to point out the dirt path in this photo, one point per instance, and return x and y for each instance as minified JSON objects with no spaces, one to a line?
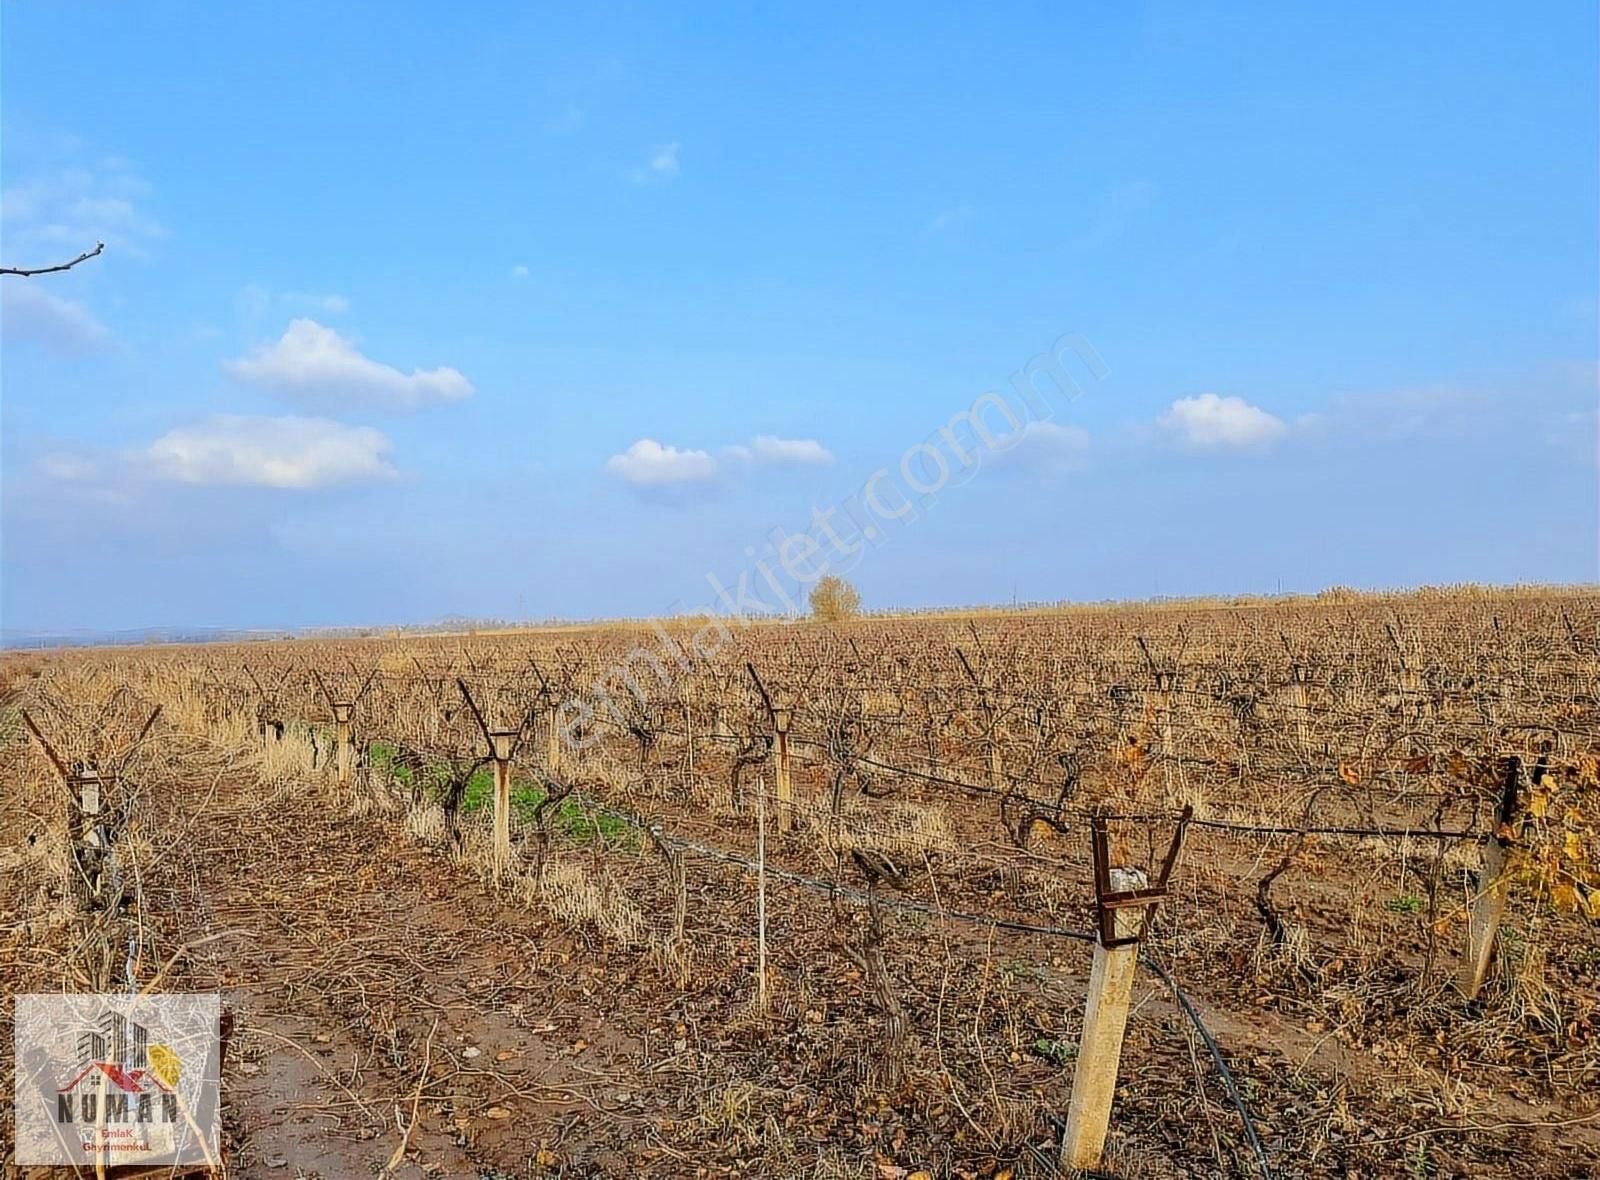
{"x":375,"y":985}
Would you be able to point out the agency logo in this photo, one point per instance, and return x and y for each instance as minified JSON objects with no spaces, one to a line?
{"x":115,"y":1080}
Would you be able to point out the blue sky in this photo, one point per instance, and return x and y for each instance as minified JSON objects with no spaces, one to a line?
{"x":415,"y":310}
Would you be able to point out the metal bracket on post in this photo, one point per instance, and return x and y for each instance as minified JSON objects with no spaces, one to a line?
{"x":502,"y":743}
{"x":1108,"y":900}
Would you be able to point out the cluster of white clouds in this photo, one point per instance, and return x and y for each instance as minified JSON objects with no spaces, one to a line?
{"x":648,"y":465}
{"x":237,"y":450}
{"x":1204,"y":422}
{"x":309,"y":366}
{"x":59,"y":212}
{"x":325,"y":375}
{"x":314,"y":365}
{"x":1210,"y":422}
{"x":772,"y":451}
{"x":286,"y":452}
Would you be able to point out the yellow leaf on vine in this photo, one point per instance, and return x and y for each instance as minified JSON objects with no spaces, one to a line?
{"x":1350,"y":774}
{"x":1539,"y":803}
{"x":1564,"y":897}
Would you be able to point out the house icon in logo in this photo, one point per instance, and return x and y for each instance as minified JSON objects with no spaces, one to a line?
{"x":113,"y":1082}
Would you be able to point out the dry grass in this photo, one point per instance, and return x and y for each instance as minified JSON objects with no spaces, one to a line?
{"x":574,"y":893}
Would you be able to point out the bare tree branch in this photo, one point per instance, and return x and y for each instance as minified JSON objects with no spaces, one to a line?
{"x":99,"y":248}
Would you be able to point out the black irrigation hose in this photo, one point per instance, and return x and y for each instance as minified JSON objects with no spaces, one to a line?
{"x":1223,"y":1071}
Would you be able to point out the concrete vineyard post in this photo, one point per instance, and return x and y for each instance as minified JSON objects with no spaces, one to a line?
{"x":1483,"y":923}
{"x":502,"y":743}
{"x":85,"y":787}
{"x":1494,"y":887}
{"x":780,"y":723}
{"x":761,"y":897}
{"x":1164,"y":700}
{"x":688,"y":736}
{"x":1105,"y":1019}
{"x":1301,"y":710}
{"x":342,"y":712}
{"x":552,"y":750}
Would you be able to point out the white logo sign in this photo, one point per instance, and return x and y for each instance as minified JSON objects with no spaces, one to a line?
{"x":114,"y":1079}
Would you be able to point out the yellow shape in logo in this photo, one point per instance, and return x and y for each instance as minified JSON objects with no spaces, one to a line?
{"x":164,"y":1064}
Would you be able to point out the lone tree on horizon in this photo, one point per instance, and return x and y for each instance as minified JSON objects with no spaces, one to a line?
{"x":834,"y":600}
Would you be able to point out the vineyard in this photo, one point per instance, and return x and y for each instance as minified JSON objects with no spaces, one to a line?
{"x":1295,"y":888}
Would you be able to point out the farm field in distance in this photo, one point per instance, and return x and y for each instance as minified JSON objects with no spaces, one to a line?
{"x":704,"y":899}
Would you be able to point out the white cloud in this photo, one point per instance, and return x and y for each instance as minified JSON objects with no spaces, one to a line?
{"x":1211,"y":422}
{"x":649,"y":464}
{"x":768,"y":448}
{"x":1048,"y":448}
{"x":314,"y":365}
{"x":67,"y":209}
{"x":28,"y":311}
{"x":519,"y":271}
{"x":290,"y":452}
{"x":662,"y":165}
